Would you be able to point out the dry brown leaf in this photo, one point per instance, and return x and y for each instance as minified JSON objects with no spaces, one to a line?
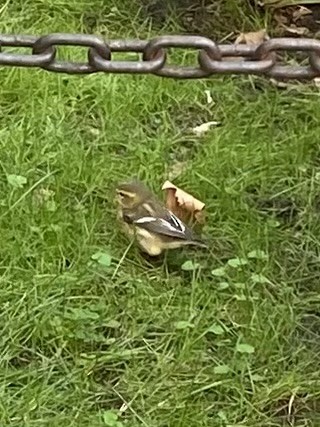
{"x":182,"y":204}
{"x":300,"y":12}
{"x":255,"y":37}
{"x":293,"y":29}
{"x":295,"y":20}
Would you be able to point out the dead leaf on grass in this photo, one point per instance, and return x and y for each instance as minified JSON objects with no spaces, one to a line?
{"x":300,"y":12}
{"x":204,"y":127}
{"x":184,"y":205}
{"x":294,"y":20}
{"x":293,"y":29}
{"x":254,"y":37}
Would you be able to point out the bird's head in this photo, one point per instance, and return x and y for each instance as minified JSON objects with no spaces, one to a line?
{"x":132,"y":194}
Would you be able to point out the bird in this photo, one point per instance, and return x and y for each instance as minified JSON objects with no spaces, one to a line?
{"x":146,"y":218}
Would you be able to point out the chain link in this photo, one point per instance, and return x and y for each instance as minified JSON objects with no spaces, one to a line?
{"x":213,"y":58}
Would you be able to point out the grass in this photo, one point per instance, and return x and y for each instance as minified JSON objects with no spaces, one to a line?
{"x":235,"y":342}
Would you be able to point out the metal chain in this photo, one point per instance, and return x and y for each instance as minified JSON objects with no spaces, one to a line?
{"x":213,"y":58}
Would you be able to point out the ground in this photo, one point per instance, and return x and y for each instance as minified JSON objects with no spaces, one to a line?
{"x":93,"y":341}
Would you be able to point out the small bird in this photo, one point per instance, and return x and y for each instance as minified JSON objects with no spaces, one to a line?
{"x":150,"y":222}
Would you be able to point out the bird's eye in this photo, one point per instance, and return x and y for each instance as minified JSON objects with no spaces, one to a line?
{"x":121,"y":194}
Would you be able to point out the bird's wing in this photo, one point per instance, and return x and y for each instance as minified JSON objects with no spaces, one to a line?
{"x":160,"y":221}
{"x":169,"y":226}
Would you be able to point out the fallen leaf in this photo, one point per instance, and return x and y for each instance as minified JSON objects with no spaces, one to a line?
{"x":300,"y":12}
{"x":256,"y":37}
{"x":183,"y":204}
{"x":299,"y":31}
{"x":295,"y":20}
{"x":202,"y":129}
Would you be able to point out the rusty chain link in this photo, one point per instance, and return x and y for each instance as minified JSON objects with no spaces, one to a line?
{"x":213,"y":58}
